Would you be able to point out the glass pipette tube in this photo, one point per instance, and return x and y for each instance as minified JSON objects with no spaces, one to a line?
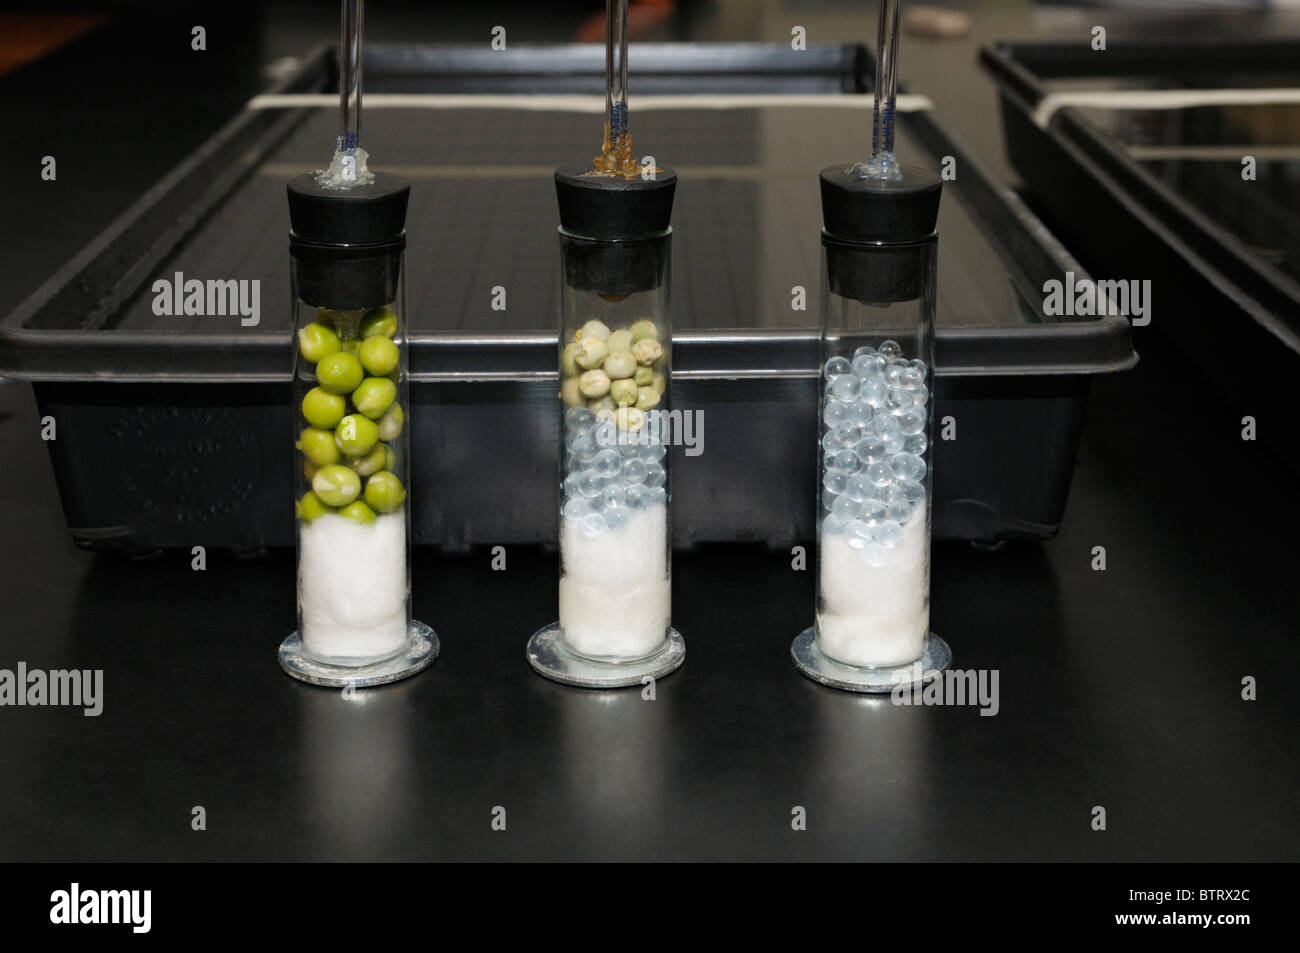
{"x":616,"y":154}
{"x":350,"y":75}
{"x":883,"y":164}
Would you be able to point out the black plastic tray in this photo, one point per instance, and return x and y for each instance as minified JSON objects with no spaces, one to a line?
{"x":172,"y":434}
{"x":1215,"y":288}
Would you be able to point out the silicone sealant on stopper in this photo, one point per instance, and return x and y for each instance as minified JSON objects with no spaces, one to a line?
{"x":349,"y":167}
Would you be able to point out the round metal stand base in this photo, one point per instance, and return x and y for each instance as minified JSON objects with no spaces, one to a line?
{"x":421,"y":649}
{"x":808,"y":658}
{"x":548,"y":655}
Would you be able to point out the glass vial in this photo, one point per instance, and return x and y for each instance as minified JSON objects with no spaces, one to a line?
{"x":351,"y":438}
{"x":874,"y":441}
{"x":615,"y":396}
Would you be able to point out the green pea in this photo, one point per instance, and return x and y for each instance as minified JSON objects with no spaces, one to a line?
{"x":591,"y":353}
{"x":659,"y":382}
{"x":594,"y":384}
{"x":569,"y":359}
{"x":381,"y":320}
{"x":620,"y":364}
{"x":379,"y":355}
{"x":311,"y":507}
{"x":339,"y":373}
{"x":623,"y":392}
{"x":598,"y":404}
{"x":384,"y":492}
{"x":647,"y":397}
{"x":318,"y":446}
{"x":315,"y":341}
{"x":620,"y":341}
{"x":309,"y":469}
{"x":374,"y":395}
{"x":358,"y":511}
{"x":372,"y":462}
{"x":336,"y":485}
{"x":570,"y":394}
{"x":390,"y":425}
{"x":644,"y":330}
{"x":629,"y":419}
{"x":647,"y":351}
{"x":353,"y":347}
{"x":390,"y":460}
{"x":323,"y":409}
{"x":593,"y":329}
{"x":356,"y":435}
{"x":643,"y":376}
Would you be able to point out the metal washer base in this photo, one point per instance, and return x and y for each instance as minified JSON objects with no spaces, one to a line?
{"x":810,"y":661}
{"x":422,"y":648}
{"x":548,"y":656}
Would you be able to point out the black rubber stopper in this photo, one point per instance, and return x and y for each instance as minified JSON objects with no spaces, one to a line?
{"x":612,"y":208}
{"x":361,"y":215}
{"x":618,"y":228}
{"x":878,"y":233}
{"x":879,"y":210}
{"x":348,"y":242}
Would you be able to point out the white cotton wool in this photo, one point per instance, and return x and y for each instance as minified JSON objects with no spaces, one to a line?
{"x":615,"y":593}
{"x":352,"y":588}
{"x":874,"y":605}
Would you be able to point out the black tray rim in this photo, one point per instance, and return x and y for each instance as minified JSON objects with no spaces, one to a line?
{"x":1272,"y":300}
{"x":92,"y":354}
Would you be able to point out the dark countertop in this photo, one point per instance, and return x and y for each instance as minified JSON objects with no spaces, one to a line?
{"x":1118,"y":688}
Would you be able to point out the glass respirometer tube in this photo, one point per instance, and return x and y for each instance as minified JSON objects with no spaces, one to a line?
{"x":615,"y":384}
{"x":874,"y":434}
{"x":617,"y":423}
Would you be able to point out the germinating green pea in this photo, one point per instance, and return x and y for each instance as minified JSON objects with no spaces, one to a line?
{"x":647,"y":351}
{"x":384,"y":492}
{"x":311,"y":507}
{"x":336,"y":485}
{"x":318,"y":446}
{"x":594,"y":384}
{"x":339,"y":373}
{"x":323,"y":409}
{"x":593,"y":329}
{"x":315,"y":341}
{"x":647,"y":397}
{"x":643,"y":376}
{"x":382,"y":320}
{"x":374,"y":395}
{"x":623,"y":392}
{"x":390,"y":425}
{"x":379,"y":355}
{"x":591,"y":353}
{"x":356,"y":510}
{"x":619,"y":341}
{"x":372,"y":462}
{"x":620,"y":364}
{"x":356,"y":435}
{"x":644,"y":330}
